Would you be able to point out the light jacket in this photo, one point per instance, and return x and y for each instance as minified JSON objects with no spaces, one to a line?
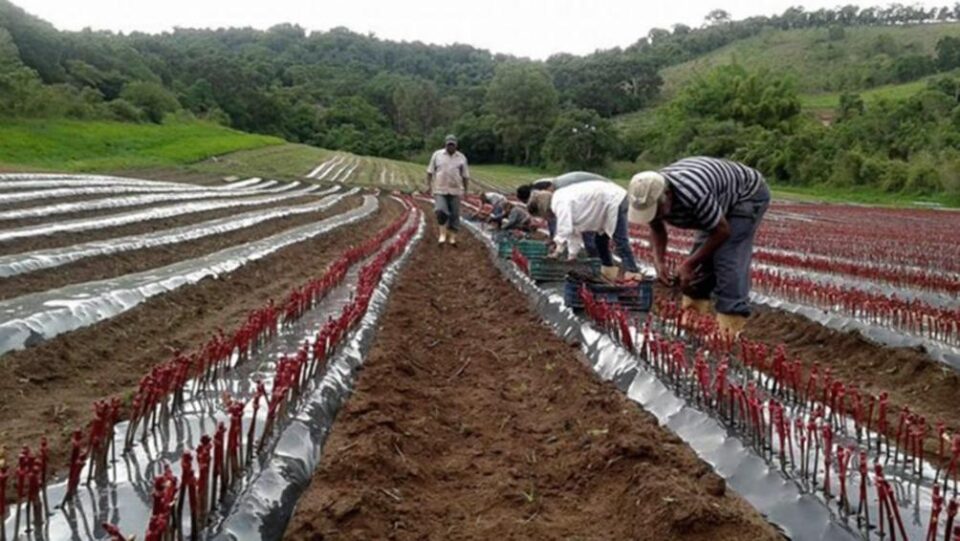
{"x":585,"y":207}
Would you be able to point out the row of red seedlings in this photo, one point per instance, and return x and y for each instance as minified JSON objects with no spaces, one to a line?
{"x":161,"y":393}
{"x":835,"y":426}
{"x":200,"y":486}
{"x":925,"y":279}
{"x":911,"y":316}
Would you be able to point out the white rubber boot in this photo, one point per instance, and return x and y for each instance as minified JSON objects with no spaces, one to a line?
{"x":443,"y":235}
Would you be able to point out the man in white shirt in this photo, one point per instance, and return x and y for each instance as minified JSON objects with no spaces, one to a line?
{"x":447,"y":179}
{"x":593,"y":206}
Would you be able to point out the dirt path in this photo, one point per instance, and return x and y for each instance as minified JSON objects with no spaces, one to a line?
{"x":49,"y":389}
{"x":57,"y":240}
{"x":99,"y":268}
{"x":471,"y":420}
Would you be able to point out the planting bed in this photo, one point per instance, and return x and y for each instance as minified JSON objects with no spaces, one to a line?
{"x":191,"y":373}
{"x":53,"y":384}
{"x":107,"y":266}
{"x":472,"y":420}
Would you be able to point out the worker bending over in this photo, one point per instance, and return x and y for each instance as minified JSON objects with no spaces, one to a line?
{"x":498,"y":202}
{"x":725,"y":201}
{"x":447,"y":179}
{"x":517,"y":218}
{"x":595,"y":206}
{"x":556,"y":183}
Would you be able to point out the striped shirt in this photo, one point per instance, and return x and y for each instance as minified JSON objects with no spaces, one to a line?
{"x":706,"y":189}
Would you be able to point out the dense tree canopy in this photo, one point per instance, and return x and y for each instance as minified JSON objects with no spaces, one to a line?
{"x":344,"y":90}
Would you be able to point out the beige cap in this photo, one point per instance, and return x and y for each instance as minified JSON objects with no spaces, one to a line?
{"x":644,"y":193}
{"x":539,"y":203}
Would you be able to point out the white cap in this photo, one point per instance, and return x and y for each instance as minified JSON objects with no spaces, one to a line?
{"x":644,"y":193}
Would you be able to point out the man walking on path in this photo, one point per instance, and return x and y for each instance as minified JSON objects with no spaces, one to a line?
{"x":447,"y":179}
{"x":595,"y":206}
{"x":725,"y":201}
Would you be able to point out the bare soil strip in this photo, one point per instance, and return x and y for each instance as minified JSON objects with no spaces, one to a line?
{"x":66,"y":239}
{"x":49,"y":389}
{"x":99,"y":268}
{"x":471,"y":420}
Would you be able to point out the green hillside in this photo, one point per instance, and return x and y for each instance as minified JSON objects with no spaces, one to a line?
{"x":72,"y":145}
{"x":821,"y":59}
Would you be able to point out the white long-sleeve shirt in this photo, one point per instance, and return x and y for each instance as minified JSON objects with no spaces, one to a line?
{"x":585,"y":207}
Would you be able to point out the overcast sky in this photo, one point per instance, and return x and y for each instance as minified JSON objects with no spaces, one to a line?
{"x":534,"y":28}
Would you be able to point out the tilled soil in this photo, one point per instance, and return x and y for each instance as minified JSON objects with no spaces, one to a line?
{"x":49,"y":389}
{"x":909,"y":376}
{"x":109,"y":266}
{"x":471,"y":420}
{"x":19,"y":246}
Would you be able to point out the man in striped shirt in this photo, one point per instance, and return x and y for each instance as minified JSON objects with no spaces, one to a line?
{"x":725,"y":201}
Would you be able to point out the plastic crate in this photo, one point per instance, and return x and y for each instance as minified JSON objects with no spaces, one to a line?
{"x":544,"y":269}
{"x":634,"y":296}
{"x":528,"y":247}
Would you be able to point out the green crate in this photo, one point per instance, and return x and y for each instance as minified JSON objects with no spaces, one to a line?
{"x":543,"y":269}
{"x":528,"y":247}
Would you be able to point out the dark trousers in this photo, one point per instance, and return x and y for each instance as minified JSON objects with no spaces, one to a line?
{"x":621,"y":241}
{"x":447,"y":209}
{"x":727,"y":274}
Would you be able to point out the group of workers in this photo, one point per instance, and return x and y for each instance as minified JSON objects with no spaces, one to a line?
{"x":724,"y":201}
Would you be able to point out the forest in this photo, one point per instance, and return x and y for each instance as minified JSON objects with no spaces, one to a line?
{"x":342,"y":90}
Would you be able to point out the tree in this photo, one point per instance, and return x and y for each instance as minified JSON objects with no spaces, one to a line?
{"x":154,"y":100}
{"x":912,"y":67}
{"x":717,"y":16}
{"x":580,"y":139}
{"x":948,"y":53}
{"x":524,"y":100}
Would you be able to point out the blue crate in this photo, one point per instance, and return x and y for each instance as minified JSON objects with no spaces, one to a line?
{"x":636,"y":296}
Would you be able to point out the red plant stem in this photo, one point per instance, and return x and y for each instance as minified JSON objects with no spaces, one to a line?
{"x":951,"y":515}
{"x":935,"y":511}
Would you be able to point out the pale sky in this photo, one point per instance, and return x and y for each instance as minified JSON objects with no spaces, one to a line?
{"x":533,"y":28}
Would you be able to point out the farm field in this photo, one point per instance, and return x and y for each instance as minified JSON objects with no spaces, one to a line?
{"x":299,"y":336}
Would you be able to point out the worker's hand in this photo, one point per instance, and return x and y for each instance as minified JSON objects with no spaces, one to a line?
{"x":571,"y":258}
{"x":685,"y":274}
{"x":664,"y":276}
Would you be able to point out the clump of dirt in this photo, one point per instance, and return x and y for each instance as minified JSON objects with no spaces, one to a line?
{"x":49,"y":389}
{"x":472,"y":420}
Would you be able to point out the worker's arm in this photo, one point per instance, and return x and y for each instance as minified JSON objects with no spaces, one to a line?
{"x":465,"y":174}
{"x":659,"y":240}
{"x":431,"y":169}
{"x":717,"y":237}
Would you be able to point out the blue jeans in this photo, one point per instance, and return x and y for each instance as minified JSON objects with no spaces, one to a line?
{"x":621,"y":241}
{"x":727,"y":274}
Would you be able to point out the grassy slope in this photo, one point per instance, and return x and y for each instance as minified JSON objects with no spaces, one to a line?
{"x":817,"y":65}
{"x":69,"y":145}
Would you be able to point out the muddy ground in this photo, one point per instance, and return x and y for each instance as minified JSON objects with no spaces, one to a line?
{"x":49,"y":389}
{"x":471,"y":420}
{"x":99,"y":268}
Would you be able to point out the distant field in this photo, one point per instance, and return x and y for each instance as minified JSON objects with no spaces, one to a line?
{"x":816,"y":63}
{"x":831,"y":100}
{"x":68,"y":145}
